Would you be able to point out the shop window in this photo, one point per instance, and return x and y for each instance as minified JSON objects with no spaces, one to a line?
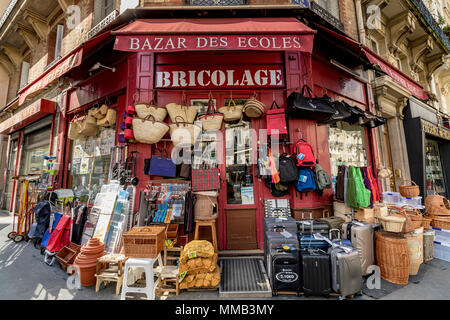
{"x":91,"y":159}
{"x":238,"y":161}
{"x":36,"y":147}
{"x":433,"y":168}
{"x":347,"y":146}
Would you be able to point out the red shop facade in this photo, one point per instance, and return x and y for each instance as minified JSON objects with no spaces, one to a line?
{"x":191,"y":61}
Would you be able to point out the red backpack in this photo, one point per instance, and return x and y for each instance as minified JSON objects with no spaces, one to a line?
{"x":304,"y":154}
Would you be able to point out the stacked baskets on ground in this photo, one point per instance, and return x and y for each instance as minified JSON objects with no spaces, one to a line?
{"x":144,"y":242}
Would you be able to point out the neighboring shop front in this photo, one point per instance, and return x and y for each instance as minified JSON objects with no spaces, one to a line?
{"x":30,"y":138}
{"x":428,"y":145}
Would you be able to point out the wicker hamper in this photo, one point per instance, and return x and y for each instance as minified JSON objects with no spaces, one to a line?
{"x":392,"y":255}
{"x":144,"y":242}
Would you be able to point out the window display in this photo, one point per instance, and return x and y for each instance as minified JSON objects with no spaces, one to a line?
{"x":347,"y":146}
{"x":90,"y":164}
{"x":434,"y":175}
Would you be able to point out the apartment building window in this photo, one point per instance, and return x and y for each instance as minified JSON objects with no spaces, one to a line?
{"x":54,"y":44}
{"x":102,"y":8}
{"x":24,"y":71}
{"x":374,"y":45}
{"x":332,"y":6}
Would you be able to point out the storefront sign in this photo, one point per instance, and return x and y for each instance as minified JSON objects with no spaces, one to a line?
{"x":435,"y":130}
{"x":30,"y":114}
{"x":268,"y":76}
{"x":157,"y":43}
{"x":53,"y":74}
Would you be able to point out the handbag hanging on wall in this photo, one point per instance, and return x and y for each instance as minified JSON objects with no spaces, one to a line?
{"x":211,"y":120}
{"x":162,"y":166}
{"x":205,"y":179}
{"x":276,"y":119}
{"x":254,"y":108}
{"x":306,"y":106}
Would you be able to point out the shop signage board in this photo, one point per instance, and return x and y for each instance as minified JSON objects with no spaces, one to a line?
{"x":435,"y":130}
{"x":224,"y":77}
{"x":175,"y":43}
{"x":33,"y":112}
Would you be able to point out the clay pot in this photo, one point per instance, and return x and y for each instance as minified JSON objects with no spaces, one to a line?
{"x":86,"y":261}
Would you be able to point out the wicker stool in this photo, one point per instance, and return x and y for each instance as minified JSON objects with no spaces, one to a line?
{"x":207,"y":223}
{"x":150,"y":286}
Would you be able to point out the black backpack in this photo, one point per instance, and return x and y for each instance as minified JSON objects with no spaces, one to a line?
{"x":288,"y":171}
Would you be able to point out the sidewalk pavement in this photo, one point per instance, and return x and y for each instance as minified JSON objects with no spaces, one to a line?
{"x":25,"y":276}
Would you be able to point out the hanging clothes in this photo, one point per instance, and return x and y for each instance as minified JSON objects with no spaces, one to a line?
{"x":346,"y":185}
{"x":339,"y":194}
{"x":362,"y":194}
{"x":367,"y":183}
{"x":79,"y":219}
{"x":375,"y":191}
{"x":351,"y":198}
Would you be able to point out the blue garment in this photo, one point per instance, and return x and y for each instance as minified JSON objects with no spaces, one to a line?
{"x":47,"y":234}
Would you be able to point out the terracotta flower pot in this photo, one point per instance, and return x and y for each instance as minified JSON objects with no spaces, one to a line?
{"x":87,"y":261}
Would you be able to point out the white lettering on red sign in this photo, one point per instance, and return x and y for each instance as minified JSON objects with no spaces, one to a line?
{"x":219,"y":78}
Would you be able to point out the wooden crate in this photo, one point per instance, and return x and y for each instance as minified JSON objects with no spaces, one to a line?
{"x":317,"y":213}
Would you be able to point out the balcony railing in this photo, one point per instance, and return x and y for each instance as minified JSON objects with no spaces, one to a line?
{"x":426,"y":14}
{"x":99,"y":26}
{"x":327,"y":16}
{"x":216,"y":2}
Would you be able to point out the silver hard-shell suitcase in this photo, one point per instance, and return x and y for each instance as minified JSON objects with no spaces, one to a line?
{"x":361,"y":236}
{"x":346,"y":272}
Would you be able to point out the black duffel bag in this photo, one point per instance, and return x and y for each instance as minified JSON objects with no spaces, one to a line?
{"x":341,"y":113}
{"x":300,"y":105}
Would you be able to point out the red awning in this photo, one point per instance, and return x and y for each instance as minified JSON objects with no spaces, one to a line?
{"x":68,"y":62}
{"x":170,"y":35}
{"x":409,"y":84}
{"x":30,"y":114}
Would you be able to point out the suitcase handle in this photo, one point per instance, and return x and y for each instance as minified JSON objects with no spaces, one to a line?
{"x":337,"y":231}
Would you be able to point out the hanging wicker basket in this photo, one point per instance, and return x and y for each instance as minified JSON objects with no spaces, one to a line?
{"x":437,"y":205}
{"x":392,"y":254}
{"x":183,"y":132}
{"x":186,"y":113}
{"x":409,"y":191}
{"x":149,"y":130}
{"x":143,"y":110}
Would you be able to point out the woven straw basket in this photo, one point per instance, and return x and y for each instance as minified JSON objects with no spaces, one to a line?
{"x":396,"y":220}
{"x":184,"y":133}
{"x":231,"y":112}
{"x":109,"y":120}
{"x":415,"y":215}
{"x":441,"y":222}
{"x":143,"y":110}
{"x":148,"y":130}
{"x":409,"y":191}
{"x":437,"y":205}
{"x":188,"y":114}
{"x":100,"y":112}
{"x":392,"y":254}
{"x":254,"y":108}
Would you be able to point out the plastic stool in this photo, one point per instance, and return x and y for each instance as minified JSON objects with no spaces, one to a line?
{"x":207,"y":223}
{"x":150,"y":285}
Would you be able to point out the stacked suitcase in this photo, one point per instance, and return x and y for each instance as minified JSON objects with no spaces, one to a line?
{"x":296,"y":260}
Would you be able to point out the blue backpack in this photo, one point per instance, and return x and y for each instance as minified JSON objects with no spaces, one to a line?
{"x":306,"y":181}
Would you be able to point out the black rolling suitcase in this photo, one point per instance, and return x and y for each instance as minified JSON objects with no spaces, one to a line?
{"x":316,"y":273}
{"x":286,"y":271}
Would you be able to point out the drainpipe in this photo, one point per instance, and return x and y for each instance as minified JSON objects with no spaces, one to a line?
{"x":360,"y":22}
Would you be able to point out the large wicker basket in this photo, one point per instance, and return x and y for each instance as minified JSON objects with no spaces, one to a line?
{"x":409,"y":191}
{"x":437,"y":205}
{"x":441,"y":222}
{"x":144,"y":242}
{"x":392,"y":255}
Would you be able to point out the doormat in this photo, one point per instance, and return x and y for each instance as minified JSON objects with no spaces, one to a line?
{"x":244,"y":277}
{"x":388,"y":288}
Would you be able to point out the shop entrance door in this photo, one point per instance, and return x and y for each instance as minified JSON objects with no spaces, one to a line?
{"x":237,"y":223}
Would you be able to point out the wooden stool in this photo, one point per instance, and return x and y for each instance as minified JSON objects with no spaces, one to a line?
{"x":110,"y":269}
{"x":207,"y":223}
